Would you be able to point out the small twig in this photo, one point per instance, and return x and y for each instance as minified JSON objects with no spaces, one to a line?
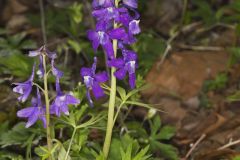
{"x":43,"y":27}
{"x":168,"y":48}
{"x":194,"y":146}
{"x":200,"y":48}
{"x":231,"y":143}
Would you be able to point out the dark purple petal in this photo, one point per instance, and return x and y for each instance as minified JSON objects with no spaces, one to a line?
{"x":101,"y":77}
{"x":134,"y":27}
{"x":97,"y":90}
{"x":108,"y":48}
{"x":86,"y":72}
{"x":118,"y":33}
{"x":132,"y":80}
{"x":131,"y":3}
{"x":121,"y":73}
{"x":118,"y":63}
{"x":129,"y":55}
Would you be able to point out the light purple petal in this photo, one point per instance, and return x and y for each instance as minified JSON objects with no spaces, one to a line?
{"x":72,"y":100}
{"x":131,"y":3}
{"x":26,"y":112}
{"x":134,"y":27}
{"x":33,"y":118}
{"x":57,"y":73}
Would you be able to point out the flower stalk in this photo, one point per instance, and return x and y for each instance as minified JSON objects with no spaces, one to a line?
{"x":46,"y":95}
{"x":112,"y":99}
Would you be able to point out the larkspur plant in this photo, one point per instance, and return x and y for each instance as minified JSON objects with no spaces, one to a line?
{"x":38,"y":110}
{"x":117,"y":24}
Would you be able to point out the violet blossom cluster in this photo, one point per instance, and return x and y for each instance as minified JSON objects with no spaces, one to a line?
{"x":37,"y":111}
{"x":126,"y":17}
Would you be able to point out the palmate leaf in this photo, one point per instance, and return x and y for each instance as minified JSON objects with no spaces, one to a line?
{"x":18,"y":135}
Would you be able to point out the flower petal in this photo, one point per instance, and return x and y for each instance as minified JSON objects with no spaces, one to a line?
{"x":121,"y":73}
{"x":97,"y":90}
{"x":101,"y":77}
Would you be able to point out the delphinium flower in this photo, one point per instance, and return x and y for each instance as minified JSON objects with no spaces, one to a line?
{"x":24,"y":88}
{"x":34,"y":112}
{"x":61,"y":102}
{"x":93,"y":80}
{"x":125,"y":65}
{"x":37,"y":110}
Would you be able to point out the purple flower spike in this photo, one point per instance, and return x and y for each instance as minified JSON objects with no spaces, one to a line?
{"x":92,"y":81}
{"x":61,"y":102}
{"x":131,"y":3}
{"x":33,"y":113}
{"x":125,"y":65}
{"x":24,"y":88}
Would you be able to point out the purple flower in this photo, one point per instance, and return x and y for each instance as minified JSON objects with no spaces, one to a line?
{"x":24,"y":88}
{"x":92,"y":81}
{"x":131,"y":3}
{"x":110,"y":13}
{"x":40,"y":52}
{"x":134,"y":27}
{"x":61,"y":102}
{"x":104,"y":38}
{"x":125,"y":65}
{"x":102,"y":3}
{"x":56,"y":72}
{"x":35,"y":112}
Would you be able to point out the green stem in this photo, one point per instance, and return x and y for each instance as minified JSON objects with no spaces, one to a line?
{"x":70,"y":144}
{"x":49,"y":139}
{"x":110,"y":122}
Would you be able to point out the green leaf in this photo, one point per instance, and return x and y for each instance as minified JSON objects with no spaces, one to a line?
{"x":155,"y":125}
{"x":166,"y":133}
{"x":122,"y":92}
{"x":42,"y":152}
{"x":142,"y":154}
{"x":75,"y":46}
{"x":62,"y":153}
{"x":166,"y":150}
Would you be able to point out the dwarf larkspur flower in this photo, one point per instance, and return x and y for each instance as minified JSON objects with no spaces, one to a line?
{"x":35,"y":112}
{"x":125,"y":65}
{"x":61,"y":102}
{"x":24,"y":88}
{"x":93,"y":80}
